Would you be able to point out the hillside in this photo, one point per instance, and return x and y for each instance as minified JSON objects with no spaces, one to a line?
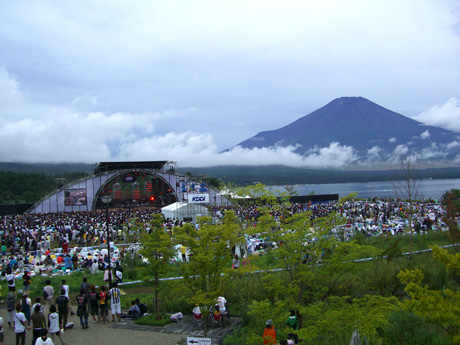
{"x":375,"y":133}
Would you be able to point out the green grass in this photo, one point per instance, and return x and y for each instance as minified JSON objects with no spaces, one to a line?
{"x":150,"y":320}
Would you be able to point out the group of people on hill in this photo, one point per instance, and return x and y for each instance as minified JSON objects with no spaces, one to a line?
{"x":270,"y":334}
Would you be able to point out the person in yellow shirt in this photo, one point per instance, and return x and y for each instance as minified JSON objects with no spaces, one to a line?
{"x":183,"y":251}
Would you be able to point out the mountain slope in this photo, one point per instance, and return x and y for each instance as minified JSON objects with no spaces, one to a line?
{"x":362,"y":124}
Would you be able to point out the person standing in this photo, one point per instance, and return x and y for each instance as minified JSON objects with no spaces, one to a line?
{"x":118,"y":272}
{"x":1,"y":330}
{"x":293,"y":323}
{"x":108,"y":276}
{"x":85,"y":286}
{"x":236,"y":262}
{"x":19,"y":325}
{"x":10,"y":306}
{"x":63,"y":309}
{"x":37,"y":302}
{"x":82,"y":310}
{"x":103,"y":305}
{"x":38,"y":323}
{"x":43,"y":339}
{"x":269,"y":334}
{"x":26,"y":305}
{"x":94,"y":303}
{"x":183,"y":251}
{"x":67,"y":294}
{"x":10,"y":279}
{"x":26,"y":280}
{"x":115,"y":302}
{"x":53,"y":324}
{"x":48,"y":293}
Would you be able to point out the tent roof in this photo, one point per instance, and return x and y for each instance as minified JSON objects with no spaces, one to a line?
{"x":173,"y":207}
{"x":179,"y":205}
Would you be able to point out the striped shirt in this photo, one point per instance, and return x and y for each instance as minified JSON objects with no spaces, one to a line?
{"x":115,"y":295}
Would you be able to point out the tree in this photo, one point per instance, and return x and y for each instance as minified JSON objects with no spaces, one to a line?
{"x":158,"y":249}
{"x":438,"y":307}
{"x":311,"y":257}
{"x":451,"y":203}
{"x":257,"y":191}
{"x":209,"y":268}
{"x":407,"y":188}
{"x":291,"y":190}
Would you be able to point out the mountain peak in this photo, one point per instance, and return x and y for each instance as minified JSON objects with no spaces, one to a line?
{"x":362,"y":126}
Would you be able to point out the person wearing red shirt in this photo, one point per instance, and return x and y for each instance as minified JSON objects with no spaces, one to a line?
{"x":269,"y":334}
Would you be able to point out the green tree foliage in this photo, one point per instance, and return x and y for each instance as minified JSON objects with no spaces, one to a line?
{"x":451,"y":203}
{"x":405,"y":328}
{"x":24,"y":187}
{"x":210,"y":255}
{"x":438,"y":307}
{"x":314,"y":262}
{"x":158,"y":248}
{"x":290,"y":190}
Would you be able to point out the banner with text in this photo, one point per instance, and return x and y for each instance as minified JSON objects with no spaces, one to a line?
{"x":198,"y":198}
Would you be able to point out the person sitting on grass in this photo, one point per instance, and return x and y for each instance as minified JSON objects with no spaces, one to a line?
{"x":134,"y":312}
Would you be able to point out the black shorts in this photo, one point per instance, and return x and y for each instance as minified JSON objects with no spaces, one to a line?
{"x":11,"y":288}
{"x":1,"y":337}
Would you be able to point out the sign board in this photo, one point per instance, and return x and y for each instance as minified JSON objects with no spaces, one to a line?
{"x":198,"y":198}
{"x":198,"y":341}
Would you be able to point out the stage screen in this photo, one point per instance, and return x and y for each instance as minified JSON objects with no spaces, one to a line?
{"x":75,"y":197}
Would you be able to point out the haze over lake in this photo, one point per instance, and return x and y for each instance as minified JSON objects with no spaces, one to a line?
{"x":427,"y":188}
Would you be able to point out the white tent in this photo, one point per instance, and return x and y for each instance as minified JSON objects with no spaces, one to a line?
{"x":181,"y":210}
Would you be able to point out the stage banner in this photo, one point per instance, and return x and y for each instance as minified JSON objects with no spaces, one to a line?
{"x":198,"y":198}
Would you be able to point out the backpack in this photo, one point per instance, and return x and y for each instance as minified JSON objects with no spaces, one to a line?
{"x":9,"y":304}
{"x":142,"y":308}
{"x":292,"y":322}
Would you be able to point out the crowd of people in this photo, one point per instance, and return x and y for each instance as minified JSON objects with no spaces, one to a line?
{"x":37,"y":244}
{"x":51,"y":313}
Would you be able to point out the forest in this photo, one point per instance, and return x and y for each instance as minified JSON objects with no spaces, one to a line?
{"x":30,"y":187}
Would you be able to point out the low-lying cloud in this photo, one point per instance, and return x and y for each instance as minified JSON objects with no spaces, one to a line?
{"x":446,"y":116}
{"x":33,"y":132}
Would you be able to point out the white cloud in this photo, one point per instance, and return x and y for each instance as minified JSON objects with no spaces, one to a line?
{"x":432,"y":152}
{"x":446,"y":116}
{"x":425,"y":135}
{"x":392,"y":140}
{"x":401,"y":150}
{"x":453,"y":144}
{"x":163,"y":79}
{"x":373,"y":154}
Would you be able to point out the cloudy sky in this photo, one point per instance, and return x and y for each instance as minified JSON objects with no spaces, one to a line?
{"x":90,"y":81}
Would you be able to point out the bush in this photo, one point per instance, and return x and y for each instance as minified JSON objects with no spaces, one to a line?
{"x":407,"y":328}
{"x":150,"y":320}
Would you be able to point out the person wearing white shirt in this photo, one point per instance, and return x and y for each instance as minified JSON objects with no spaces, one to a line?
{"x":20,"y":322}
{"x":44,"y":340}
{"x":10,"y":278}
{"x":1,"y":330}
{"x":67,"y":291}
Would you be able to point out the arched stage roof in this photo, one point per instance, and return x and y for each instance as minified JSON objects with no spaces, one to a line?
{"x":130,"y":184}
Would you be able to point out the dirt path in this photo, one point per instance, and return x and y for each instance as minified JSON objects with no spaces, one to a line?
{"x":98,"y":334}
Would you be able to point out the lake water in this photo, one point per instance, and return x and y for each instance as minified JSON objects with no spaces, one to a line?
{"x":427,"y":188}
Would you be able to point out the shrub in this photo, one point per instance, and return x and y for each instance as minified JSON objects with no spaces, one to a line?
{"x":150,"y":320}
{"x":407,"y":328}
